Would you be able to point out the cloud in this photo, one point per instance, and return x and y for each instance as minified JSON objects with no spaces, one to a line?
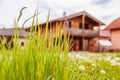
{"x":101,"y":2}
{"x":10,"y":10}
{"x":104,"y":10}
{"x":1,"y":1}
{"x":106,"y":17}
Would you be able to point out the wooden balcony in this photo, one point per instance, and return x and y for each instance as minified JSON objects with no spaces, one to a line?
{"x":80,"y":33}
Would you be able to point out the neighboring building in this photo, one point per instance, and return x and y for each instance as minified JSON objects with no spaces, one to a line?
{"x":7,"y":35}
{"x":80,"y":27}
{"x":114,"y":28}
{"x":103,"y":41}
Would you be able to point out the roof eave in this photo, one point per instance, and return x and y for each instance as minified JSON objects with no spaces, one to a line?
{"x":93,"y":18}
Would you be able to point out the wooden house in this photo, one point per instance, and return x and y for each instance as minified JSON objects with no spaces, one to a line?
{"x":80,"y":27}
{"x":114,"y":28}
{"x":7,"y":36}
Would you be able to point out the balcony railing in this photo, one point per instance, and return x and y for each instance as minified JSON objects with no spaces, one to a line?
{"x":86,"y":33}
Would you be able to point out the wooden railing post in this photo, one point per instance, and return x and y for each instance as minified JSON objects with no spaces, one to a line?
{"x":98,"y":37}
{"x":83,"y":36}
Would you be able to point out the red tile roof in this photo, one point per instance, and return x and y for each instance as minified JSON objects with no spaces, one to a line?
{"x":76,"y":15}
{"x":114,"y":25}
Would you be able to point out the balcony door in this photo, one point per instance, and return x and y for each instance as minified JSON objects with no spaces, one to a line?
{"x":86,"y":44}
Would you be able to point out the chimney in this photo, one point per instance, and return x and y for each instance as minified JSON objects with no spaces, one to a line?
{"x":64,"y":13}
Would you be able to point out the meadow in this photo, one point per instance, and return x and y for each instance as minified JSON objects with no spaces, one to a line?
{"x":50,"y":60}
{"x":95,"y":66}
{"x":33,"y":65}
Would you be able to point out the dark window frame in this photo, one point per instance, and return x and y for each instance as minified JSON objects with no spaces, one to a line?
{"x":70,"y":24}
{"x":80,"y":25}
{"x":86,"y":26}
{"x":49,"y":25}
{"x":22,"y":43}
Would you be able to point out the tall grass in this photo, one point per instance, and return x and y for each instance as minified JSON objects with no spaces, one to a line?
{"x":43,"y":57}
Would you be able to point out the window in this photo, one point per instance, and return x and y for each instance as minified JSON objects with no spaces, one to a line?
{"x":80,"y":26}
{"x":22,"y":43}
{"x":68,"y":24}
{"x":49,"y":25}
{"x":86,"y":26}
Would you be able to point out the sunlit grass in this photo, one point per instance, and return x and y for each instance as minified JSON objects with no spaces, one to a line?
{"x":41,"y":58}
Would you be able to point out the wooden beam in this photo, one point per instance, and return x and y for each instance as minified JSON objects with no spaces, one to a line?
{"x":83,"y":35}
{"x":77,"y":44}
{"x":98,"y":37}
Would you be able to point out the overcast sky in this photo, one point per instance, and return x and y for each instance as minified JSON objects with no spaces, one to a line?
{"x":104,"y":10}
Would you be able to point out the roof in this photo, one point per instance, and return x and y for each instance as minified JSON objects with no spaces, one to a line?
{"x":10,"y":32}
{"x":75,"y":15}
{"x":114,"y":25}
{"x":105,"y":33}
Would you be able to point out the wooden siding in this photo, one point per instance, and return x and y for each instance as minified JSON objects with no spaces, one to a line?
{"x":77,"y":20}
{"x":115,"y":38}
{"x":89,"y":33}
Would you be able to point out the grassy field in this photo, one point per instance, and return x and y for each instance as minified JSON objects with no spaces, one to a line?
{"x":95,"y":66}
{"x":56,"y":66}
{"x":50,"y":60}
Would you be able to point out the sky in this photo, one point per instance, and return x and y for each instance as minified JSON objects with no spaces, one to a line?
{"x":104,"y":10}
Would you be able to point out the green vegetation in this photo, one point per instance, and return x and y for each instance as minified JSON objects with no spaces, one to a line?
{"x":44,"y":59}
{"x":95,"y":66}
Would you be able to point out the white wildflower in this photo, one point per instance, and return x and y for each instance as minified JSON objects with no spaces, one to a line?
{"x":77,"y":56}
{"x":82,"y":68}
{"x":92,"y":69}
{"x":94,"y":65}
{"x":108,"y":58}
{"x":102,"y":71}
{"x":99,"y":59}
{"x":113,"y":62}
{"x":116,"y":58}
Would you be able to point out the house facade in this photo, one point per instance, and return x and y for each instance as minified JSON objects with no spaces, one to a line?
{"x":7,"y":37}
{"x":80,"y":28}
{"x":114,"y":28}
